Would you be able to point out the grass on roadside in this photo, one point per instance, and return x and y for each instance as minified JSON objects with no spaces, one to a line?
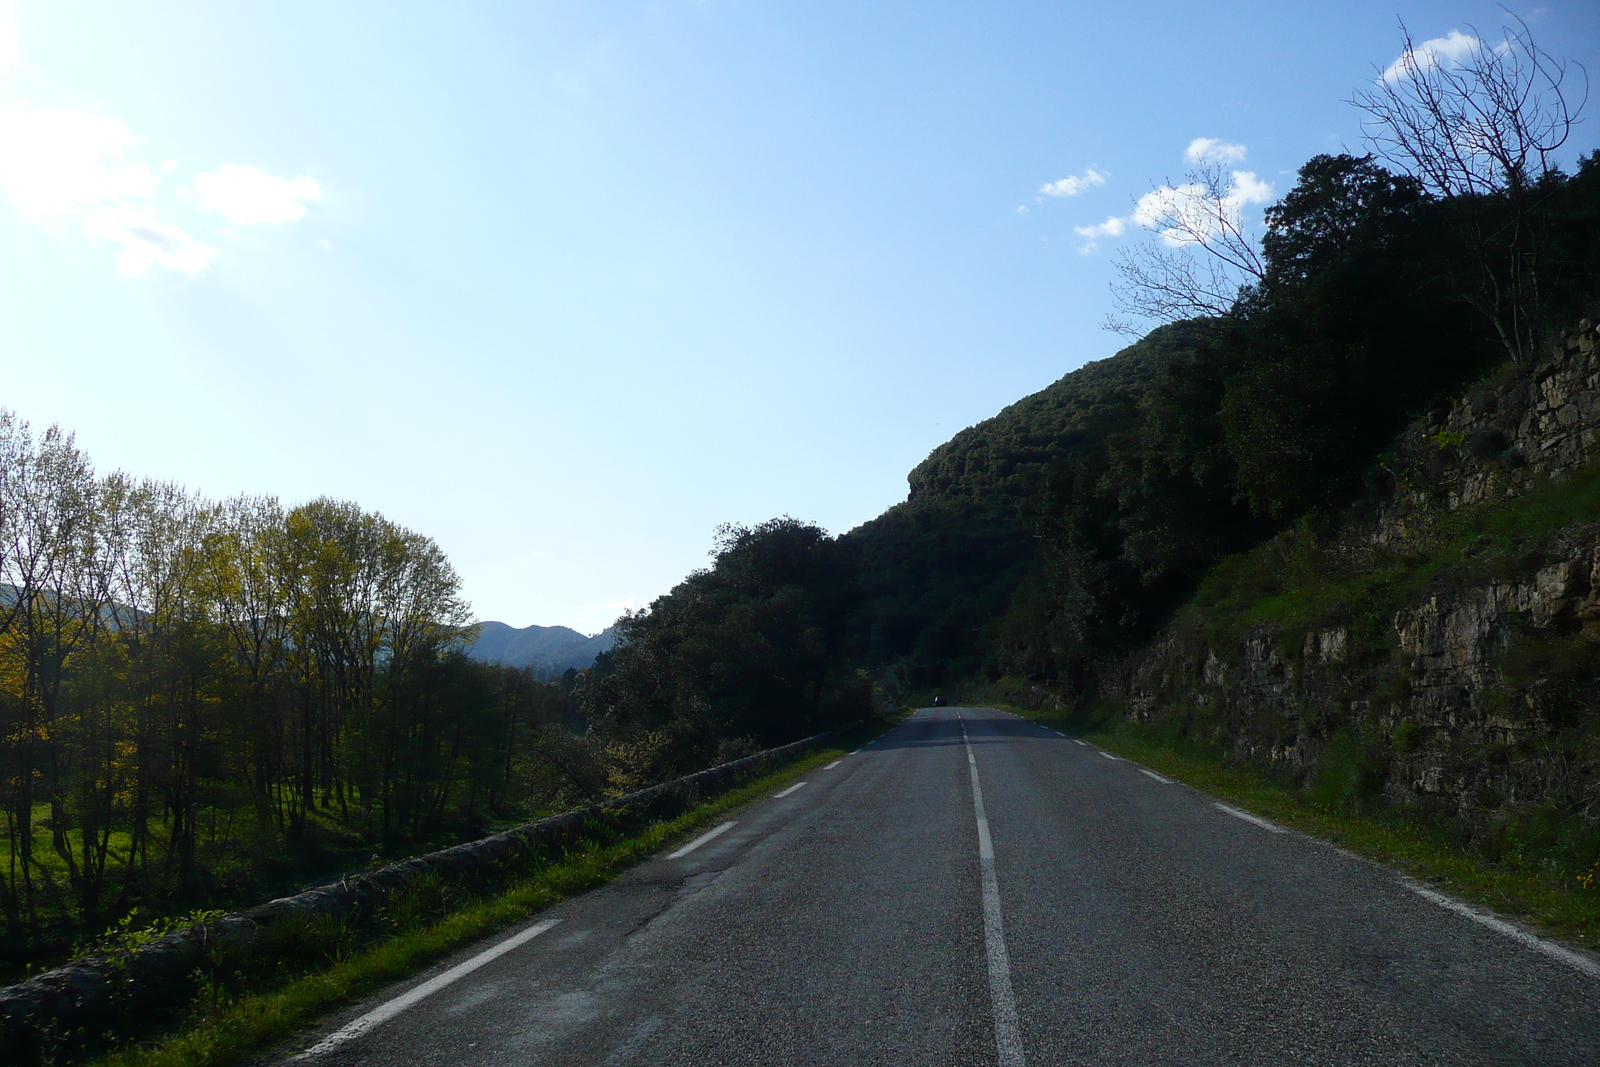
{"x":1393,"y":838}
{"x":221,"y":1029}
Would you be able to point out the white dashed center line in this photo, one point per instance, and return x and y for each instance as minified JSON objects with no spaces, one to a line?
{"x":832,"y":765}
{"x":1108,"y":755}
{"x":1157,"y":777}
{"x":786,"y":792}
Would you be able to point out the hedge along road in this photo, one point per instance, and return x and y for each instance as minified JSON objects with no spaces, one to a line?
{"x":973,"y":888}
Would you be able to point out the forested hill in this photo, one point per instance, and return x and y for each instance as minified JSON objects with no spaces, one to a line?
{"x":546,"y":650}
{"x":996,"y":464}
{"x":1051,"y":539}
{"x":940,"y":570}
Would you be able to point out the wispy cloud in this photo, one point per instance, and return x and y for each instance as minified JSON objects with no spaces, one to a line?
{"x":1453,"y":47}
{"x":1112,"y":227}
{"x":1073,"y":184}
{"x":54,"y":160}
{"x":249,"y":196}
{"x":58,"y":163}
{"x":1182,"y":214}
{"x":147,"y":241}
{"x":1214,"y":150}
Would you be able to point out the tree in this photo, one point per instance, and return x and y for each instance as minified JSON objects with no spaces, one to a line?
{"x":1342,"y":207}
{"x":1479,"y":125}
{"x":751,"y":650}
{"x":1205,"y":254}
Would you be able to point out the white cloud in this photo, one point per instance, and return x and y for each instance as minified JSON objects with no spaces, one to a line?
{"x":248,"y":196}
{"x":10,"y":51}
{"x":54,"y":160}
{"x":1188,"y":212}
{"x":147,"y":241}
{"x":1248,"y":189}
{"x":1073,"y":184}
{"x":1453,"y":47}
{"x":1112,"y":227}
{"x":1213,"y":150}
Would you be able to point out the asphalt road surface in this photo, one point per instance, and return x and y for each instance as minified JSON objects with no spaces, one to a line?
{"x":971,"y":889}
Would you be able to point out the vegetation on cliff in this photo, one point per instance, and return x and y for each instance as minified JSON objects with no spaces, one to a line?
{"x":1057,"y":536}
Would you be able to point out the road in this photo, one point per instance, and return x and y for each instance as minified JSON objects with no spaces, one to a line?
{"x":976,"y":889}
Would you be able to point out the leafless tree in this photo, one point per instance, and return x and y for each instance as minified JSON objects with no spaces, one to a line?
{"x":1204,"y":255}
{"x":1480,"y":124}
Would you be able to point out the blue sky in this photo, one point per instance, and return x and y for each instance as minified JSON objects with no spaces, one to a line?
{"x":565,"y":285}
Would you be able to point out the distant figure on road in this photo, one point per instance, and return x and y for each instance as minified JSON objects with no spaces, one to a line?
{"x":940,"y":702}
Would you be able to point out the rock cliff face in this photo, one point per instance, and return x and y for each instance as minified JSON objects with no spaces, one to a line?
{"x":1500,"y":439}
{"x":1472,"y":687}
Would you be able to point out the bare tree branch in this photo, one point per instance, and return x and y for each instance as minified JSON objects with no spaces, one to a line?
{"x":1483,"y":125}
{"x":1204,"y":258}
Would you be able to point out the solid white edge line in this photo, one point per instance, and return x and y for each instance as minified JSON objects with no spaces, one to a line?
{"x":1500,"y":926}
{"x":1254,"y":820}
{"x":388,"y":1010}
{"x":714,"y":832}
{"x":786,"y":792}
{"x":832,"y":765}
{"x":1157,"y":777}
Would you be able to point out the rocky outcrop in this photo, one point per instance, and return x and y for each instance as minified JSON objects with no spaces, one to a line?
{"x":1500,"y":439}
{"x":1459,"y":689}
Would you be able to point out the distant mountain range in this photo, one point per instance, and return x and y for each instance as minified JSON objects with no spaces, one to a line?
{"x":549,"y":650}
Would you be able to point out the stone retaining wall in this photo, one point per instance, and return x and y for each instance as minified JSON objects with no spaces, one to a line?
{"x":1275,"y":697}
{"x":99,"y":995}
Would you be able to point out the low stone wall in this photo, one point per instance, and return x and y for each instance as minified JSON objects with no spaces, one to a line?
{"x":98,"y":995}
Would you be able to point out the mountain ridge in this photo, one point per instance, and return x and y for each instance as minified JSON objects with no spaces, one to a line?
{"x":547,"y":650}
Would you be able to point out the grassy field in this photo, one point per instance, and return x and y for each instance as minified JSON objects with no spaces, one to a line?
{"x":232,"y":1020}
{"x":1562,"y":905}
